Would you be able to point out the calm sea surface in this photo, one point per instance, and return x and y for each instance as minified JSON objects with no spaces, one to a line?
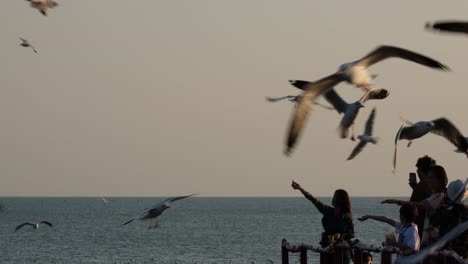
{"x":194,"y":230}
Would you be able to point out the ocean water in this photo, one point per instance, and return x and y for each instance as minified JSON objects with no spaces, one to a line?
{"x":194,"y":230}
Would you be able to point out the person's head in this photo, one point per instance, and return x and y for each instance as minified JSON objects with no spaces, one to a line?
{"x":456,"y":192}
{"x":437,"y":178}
{"x":422,"y":165}
{"x":341,"y":201}
{"x":408,"y":214}
{"x":366,"y":257}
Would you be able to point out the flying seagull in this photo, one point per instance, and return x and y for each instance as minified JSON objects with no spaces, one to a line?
{"x":449,"y":26}
{"x":295,"y":99}
{"x":43,"y":5}
{"x":366,"y":137}
{"x":358,"y":75}
{"x":441,"y":126}
{"x":34,"y":226}
{"x":151,"y":214}
{"x":25,"y":43}
{"x":424,"y":253}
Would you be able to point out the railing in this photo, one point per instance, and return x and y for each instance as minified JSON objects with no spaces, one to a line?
{"x":335,"y":252}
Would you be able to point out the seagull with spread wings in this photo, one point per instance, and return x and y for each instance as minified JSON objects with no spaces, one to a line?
{"x":151,"y":214}
{"x":25,"y":43}
{"x":43,"y":5}
{"x":34,"y":225}
{"x":449,"y":26}
{"x":441,"y":126}
{"x":365,"y":138}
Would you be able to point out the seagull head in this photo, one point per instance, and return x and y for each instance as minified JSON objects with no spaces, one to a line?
{"x":358,"y":104}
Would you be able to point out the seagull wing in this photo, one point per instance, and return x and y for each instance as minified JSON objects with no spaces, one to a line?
{"x":370,"y":123}
{"x":421,"y":255}
{"x":312,"y":91}
{"x":334,"y":99}
{"x":385,"y":52}
{"x":443,"y":127}
{"x":23,"y":224}
{"x":173,"y":199}
{"x":452,"y":26}
{"x":45,"y":222}
{"x":51,"y":4}
{"x":357,"y":150}
{"x":397,"y":138}
{"x":276,"y":99}
{"x":23,"y":40}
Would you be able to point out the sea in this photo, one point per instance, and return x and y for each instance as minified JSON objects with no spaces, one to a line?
{"x":193,"y":230}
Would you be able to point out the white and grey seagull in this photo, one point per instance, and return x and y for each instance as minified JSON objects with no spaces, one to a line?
{"x":34,"y":225}
{"x":43,"y":5}
{"x":441,"y":126}
{"x":25,"y":43}
{"x":365,"y":138}
{"x":449,"y":26}
{"x":151,"y":214}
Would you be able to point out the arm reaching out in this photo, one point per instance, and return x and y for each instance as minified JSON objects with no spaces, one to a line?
{"x":419,"y":205}
{"x":378,"y":218}
{"x":319,"y":205}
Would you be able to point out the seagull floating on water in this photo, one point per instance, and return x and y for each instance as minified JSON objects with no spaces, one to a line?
{"x":34,"y":225}
{"x":155,"y":210}
{"x":449,"y":26}
{"x":441,"y":126}
{"x":43,"y":5}
{"x":25,"y":43}
{"x":366,"y":137}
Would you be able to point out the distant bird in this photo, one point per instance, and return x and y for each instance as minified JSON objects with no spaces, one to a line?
{"x":155,"y":210}
{"x":418,"y":257}
{"x":43,"y":5}
{"x":366,"y":137}
{"x":358,"y":75}
{"x":295,"y":99}
{"x":25,"y":43}
{"x":441,"y":126}
{"x":105,"y":200}
{"x":449,"y":26}
{"x":34,"y":226}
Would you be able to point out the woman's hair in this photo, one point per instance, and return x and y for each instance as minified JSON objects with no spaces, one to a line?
{"x":409,"y":213}
{"x":424,"y":163}
{"x":440,"y":175}
{"x":342,"y":201}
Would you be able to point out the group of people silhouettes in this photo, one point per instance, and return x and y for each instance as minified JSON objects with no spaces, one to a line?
{"x":435,"y":207}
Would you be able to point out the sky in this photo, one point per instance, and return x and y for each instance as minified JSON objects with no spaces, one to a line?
{"x":161,"y":98}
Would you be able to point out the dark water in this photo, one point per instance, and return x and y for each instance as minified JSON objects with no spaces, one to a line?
{"x":195,"y":230}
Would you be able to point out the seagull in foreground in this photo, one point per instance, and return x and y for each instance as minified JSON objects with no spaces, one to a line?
{"x":366,"y":137}
{"x":156,"y":210}
{"x":25,"y":43}
{"x":358,"y":75}
{"x":424,"y":253}
{"x":295,"y":99}
{"x":441,"y":126}
{"x":43,"y":5}
{"x":34,"y":226}
{"x":448,"y":26}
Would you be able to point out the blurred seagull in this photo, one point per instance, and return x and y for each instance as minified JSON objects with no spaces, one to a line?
{"x":25,"y":43}
{"x":43,"y":5}
{"x":358,"y":75}
{"x":448,"y":26}
{"x":34,"y":226}
{"x":366,"y":137}
{"x":441,"y":126}
{"x":105,"y":200}
{"x":295,"y":99}
{"x":155,"y":210}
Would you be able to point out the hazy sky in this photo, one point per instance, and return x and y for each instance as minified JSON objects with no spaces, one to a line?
{"x":160,"y":98}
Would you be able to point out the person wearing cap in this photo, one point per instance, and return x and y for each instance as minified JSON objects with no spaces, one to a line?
{"x":452,"y":212}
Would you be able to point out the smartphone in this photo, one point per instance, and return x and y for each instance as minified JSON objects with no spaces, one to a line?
{"x":412,"y":178}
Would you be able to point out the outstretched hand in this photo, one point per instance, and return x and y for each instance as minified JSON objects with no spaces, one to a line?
{"x":363,"y":218}
{"x":295,"y":185}
{"x":391,"y":201}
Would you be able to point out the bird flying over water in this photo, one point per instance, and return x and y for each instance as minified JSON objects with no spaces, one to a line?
{"x":151,"y":214}
{"x":34,"y":225}
{"x":449,"y":26}
{"x":43,"y":5}
{"x":25,"y":43}
{"x":366,"y":137}
{"x":441,"y":126}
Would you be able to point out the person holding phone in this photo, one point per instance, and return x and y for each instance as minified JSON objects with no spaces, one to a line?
{"x":421,"y":190}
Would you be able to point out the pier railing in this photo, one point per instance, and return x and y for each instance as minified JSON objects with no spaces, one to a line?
{"x":335,"y":252}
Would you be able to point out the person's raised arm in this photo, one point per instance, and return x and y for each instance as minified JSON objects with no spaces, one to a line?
{"x":320,"y":206}
{"x":378,"y":218}
{"x":419,"y":205}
